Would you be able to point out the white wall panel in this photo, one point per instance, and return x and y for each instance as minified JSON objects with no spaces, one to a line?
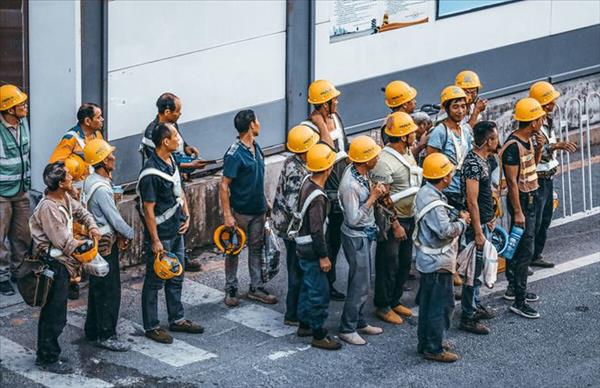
{"x":572,"y":14}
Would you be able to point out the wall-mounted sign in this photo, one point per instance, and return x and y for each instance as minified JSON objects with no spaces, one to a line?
{"x":446,"y":8}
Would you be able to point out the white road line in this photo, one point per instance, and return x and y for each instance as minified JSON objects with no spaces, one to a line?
{"x":13,"y":309}
{"x":286,"y":353}
{"x":177,"y":354}
{"x":20,"y":360}
{"x":260,"y":318}
{"x":194,"y":293}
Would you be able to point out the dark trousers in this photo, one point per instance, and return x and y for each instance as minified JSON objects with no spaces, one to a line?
{"x":543,"y":214}
{"x":334,"y":242}
{"x":392,"y":267}
{"x":294,"y":274}
{"x":53,"y":316}
{"x":152,"y":284}
{"x":436,"y":303}
{"x":516,"y":271}
{"x":314,"y":296}
{"x":104,"y":301}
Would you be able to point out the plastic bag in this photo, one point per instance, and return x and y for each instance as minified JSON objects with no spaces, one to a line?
{"x":271,"y":254}
{"x":97,"y":267}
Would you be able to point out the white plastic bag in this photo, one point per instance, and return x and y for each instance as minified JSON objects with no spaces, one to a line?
{"x":271,"y":254}
{"x":97,"y":267}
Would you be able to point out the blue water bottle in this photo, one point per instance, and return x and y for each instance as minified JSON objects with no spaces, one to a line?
{"x":513,"y":242}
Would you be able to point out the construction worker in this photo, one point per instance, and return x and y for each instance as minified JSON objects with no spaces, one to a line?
{"x":477,"y":187}
{"x":519,"y":157}
{"x":359,"y":232}
{"x":424,"y":124}
{"x":300,"y":139}
{"x":398,"y":169}
{"x":468,"y":81}
{"x":546,"y":95}
{"x":312,"y":249}
{"x":104,"y":298}
{"x":52,"y":233}
{"x":242,"y":194}
{"x":166,"y":219}
{"x":15,"y":170}
{"x":436,"y":242}
{"x":325,"y":120}
{"x":399,"y":97}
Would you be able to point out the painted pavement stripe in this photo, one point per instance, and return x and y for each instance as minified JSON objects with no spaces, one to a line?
{"x":194,"y":293}
{"x":177,"y":354}
{"x":261,"y":319}
{"x":20,"y":360}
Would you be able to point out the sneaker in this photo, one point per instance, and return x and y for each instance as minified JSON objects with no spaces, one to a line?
{"x":6,"y":288}
{"x":531,"y":297}
{"x":473,"y":326}
{"x":445,"y":356}
{"x":509,"y":294}
{"x":159,"y":335}
{"x":370,"y":330}
{"x":326,"y":343}
{"x":186,"y":326}
{"x":484,"y":313}
{"x":336,"y":295}
{"x":542,"y":263}
{"x":261,"y":295}
{"x":73,"y":291}
{"x":193,"y":265}
{"x":524,"y":310}
{"x":231,"y":298}
{"x":58,"y":367}
{"x":403,"y":310}
{"x":113,"y":344}
{"x":389,"y":316}
{"x":353,"y":338}
{"x":291,"y":322}
{"x":529,"y":271}
{"x":304,"y":332}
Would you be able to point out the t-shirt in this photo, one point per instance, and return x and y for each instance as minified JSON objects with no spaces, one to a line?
{"x":476,"y":168}
{"x":511,"y":156}
{"x":160,"y":191}
{"x":247,"y":173}
{"x":441,"y":138}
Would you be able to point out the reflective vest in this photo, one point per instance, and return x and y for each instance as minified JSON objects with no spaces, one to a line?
{"x":528,"y":179}
{"x":548,"y":162}
{"x":415,"y":176}
{"x":175,"y":179}
{"x":15,"y":170}
{"x":86,"y":195}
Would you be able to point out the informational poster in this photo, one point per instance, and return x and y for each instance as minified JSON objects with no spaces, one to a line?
{"x":447,"y":8}
{"x":356,"y":18}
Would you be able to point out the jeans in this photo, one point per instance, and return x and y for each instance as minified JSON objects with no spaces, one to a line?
{"x":392,"y":267}
{"x":543,"y":214}
{"x":14,"y":224}
{"x":436,"y":303}
{"x":357,"y":251}
{"x":470,"y":294}
{"x":294,"y":281}
{"x":516,"y":271}
{"x":152,"y":284}
{"x":53,"y":316}
{"x":314,"y":295}
{"x":104,"y":301}
{"x":334,"y":242}
{"x":254,"y":227}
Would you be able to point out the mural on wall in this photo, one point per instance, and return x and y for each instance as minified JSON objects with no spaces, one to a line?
{"x":356,"y":18}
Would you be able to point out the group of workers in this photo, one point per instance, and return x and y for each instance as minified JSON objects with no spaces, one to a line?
{"x":419,"y":193}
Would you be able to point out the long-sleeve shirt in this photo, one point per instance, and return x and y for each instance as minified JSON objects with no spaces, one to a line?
{"x":50,"y":228}
{"x":103,"y":208}
{"x":353,"y":195}
{"x":436,"y":230}
{"x":313,"y":223}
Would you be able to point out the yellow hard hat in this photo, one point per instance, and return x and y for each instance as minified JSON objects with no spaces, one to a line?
{"x":228,"y":241}
{"x":467,"y":79}
{"x":10,"y":96}
{"x":76,"y":166}
{"x":436,"y":166}
{"x":543,"y":92}
{"x":96,"y":151}
{"x":320,"y":157}
{"x":400,"y":124}
{"x":362,"y":149}
{"x":86,"y":252}
{"x":301,"y":138}
{"x":398,"y":93}
{"x":452,"y":92}
{"x":321,"y":91}
{"x":528,"y":109}
{"x":166,"y":265}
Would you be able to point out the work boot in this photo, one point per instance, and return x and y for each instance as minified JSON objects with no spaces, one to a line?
{"x":389,"y":316}
{"x":524,"y":310}
{"x":473,"y":326}
{"x":186,"y":326}
{"x":336,"y":295}
{"x":540,"y":262}
{"x":326,"y":343}
{"x":458,"y":282}
{"x":193,"y":265}
{"x":445,"y":356}
{"x":353,"y":338}
{"x":446,"y":346}
{"x":231,"y":298}
{"x":6,"y":288}
{"x":159,"y":335}
{"x":304,"y":332}
{"x":483,"y":312}
{"x":260,"y":294}
{"x":402,"y":310}
{"x":58,"y":367}
{"x":370,"y":330}
{"x":113,"y":344}
{"x":73,"y":291}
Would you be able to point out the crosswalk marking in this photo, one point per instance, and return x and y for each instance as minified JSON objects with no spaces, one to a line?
{"x":194,"y":293}
{"x":260,"y":318}
{"x":177,"y":354}
{"x":20,"y":360}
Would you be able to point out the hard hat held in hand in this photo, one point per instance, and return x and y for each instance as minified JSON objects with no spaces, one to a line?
{"x":301,"y":138}
{"x":528,"y":109}
{"x":437,"y":166}
{"x":86,"y":252}
{"x":362,"y":149}
{"x":230,"y":241}
{"x":76,"y":166}
{"x":398,"y":93}
{"x":96,"y":151}
{"x":167,"y":265}
{"x":321,"y":91}
{"x":11,"y":96}
{"x":400,"y":124}
{"x":320,"y":157}
{"x":467,"y":79}
{"x":543,"y":92}
{"x":452,"y":92}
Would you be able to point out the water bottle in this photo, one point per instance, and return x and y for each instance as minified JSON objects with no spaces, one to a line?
{"x":513,"y":242}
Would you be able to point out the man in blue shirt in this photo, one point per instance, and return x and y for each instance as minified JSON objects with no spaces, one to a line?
{"x":242,"y":193}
